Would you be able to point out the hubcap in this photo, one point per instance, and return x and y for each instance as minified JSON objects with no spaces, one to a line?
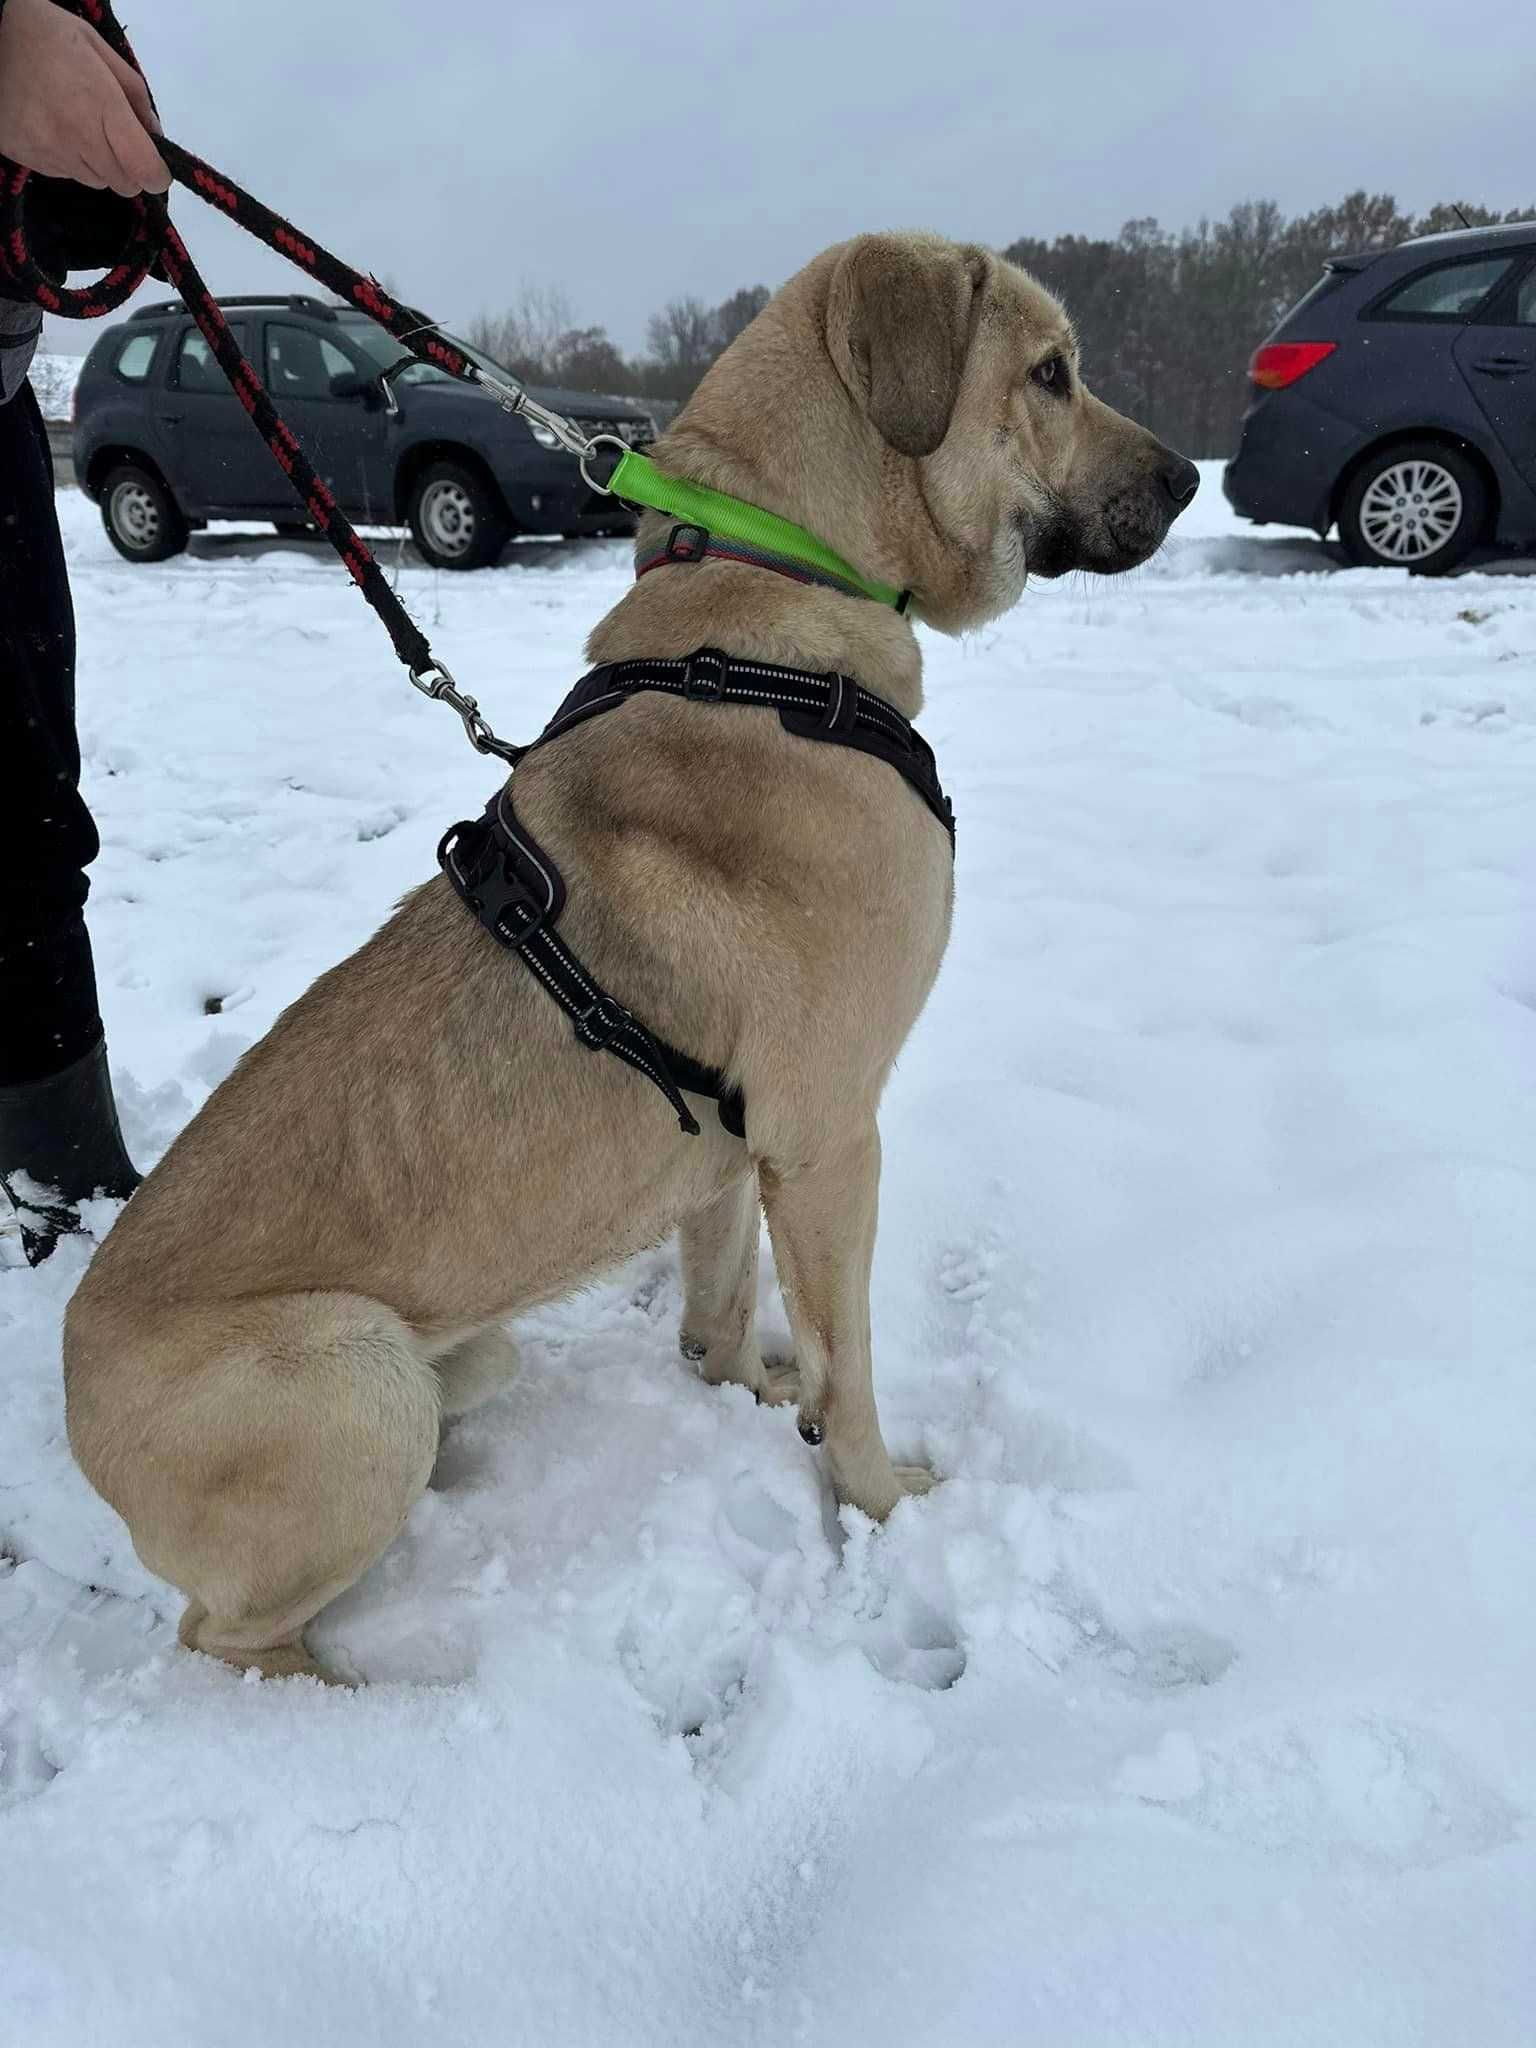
{"x":448,"y":517}
{"x":1410,"y":511}
{"x":135,"y":515}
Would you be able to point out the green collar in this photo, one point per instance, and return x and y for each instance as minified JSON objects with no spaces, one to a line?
{"x":638,"y":481}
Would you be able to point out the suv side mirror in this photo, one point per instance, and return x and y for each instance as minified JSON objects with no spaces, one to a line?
{"x":350,"y":385}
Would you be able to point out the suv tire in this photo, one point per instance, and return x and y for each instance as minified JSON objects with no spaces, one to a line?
{"x":143,"y":521}
{"x":1419,"y":505}
{"x":457,"y":518}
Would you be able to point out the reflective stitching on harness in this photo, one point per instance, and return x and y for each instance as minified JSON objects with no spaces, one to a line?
{"x":526,"y":850}
{"x":568,"y":960}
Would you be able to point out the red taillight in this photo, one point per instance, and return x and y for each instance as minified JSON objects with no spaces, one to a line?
{"x":1280,"y":363}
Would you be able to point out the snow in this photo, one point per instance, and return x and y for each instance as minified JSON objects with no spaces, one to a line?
{"x":54,"y":378}
{"x":1195,"y":1705}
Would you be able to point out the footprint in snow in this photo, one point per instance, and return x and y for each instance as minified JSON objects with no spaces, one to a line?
{"x":1169,"y":1659}
{"x":52,"y":1627}
{"x":1357,"y":1785}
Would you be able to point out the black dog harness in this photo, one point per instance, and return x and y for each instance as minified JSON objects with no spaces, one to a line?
{"x":513,"y":887}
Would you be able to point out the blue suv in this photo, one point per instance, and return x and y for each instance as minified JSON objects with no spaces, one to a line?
{"x":163,"y":445}
{"x":1398,"y":399}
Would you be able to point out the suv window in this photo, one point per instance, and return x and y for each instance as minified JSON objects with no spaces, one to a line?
{"x":301,"y":363}
{"x":1452,"y":291}
{"x":135,"y":357}
{"x":1525,"y":304}
{"x":196,"y":367}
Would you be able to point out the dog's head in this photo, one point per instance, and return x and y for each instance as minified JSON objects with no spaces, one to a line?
{"x":919,"y":402}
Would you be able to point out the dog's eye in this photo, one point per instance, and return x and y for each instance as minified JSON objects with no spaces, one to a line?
{"x":1053,"y":375}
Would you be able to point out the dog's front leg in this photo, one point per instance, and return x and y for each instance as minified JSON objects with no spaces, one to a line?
{"x":719,"y":1247}
{"x":821,"y":1218}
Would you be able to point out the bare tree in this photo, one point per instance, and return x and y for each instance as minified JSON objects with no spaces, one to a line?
{"x":735,"y":314}
{"x":681,"y":345}
{"x":526,"y":337}
{"x":587,"y":360}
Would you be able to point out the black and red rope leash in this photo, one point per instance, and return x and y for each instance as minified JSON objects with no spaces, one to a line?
{"x":154,"y":240}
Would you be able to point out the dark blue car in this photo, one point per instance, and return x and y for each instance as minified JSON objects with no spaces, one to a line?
{"x":163,"y":445}
{"x":1398,"y":401}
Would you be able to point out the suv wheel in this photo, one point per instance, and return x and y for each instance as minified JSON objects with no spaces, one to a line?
{"x":143,"y":521}
{"x":456,"y":517}
{"x":1419,"y":506}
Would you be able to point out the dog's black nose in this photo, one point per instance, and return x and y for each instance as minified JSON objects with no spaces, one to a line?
{"x":1181,"y":480}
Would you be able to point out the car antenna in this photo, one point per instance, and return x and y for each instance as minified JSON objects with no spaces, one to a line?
{"x":1460,"y":215}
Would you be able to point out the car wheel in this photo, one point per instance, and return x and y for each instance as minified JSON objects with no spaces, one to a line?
{"x":143,"y":521}
{"x":1420,"y":506}
{"x":456,"y":517}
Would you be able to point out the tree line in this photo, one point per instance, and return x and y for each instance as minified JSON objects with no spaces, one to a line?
{"x":539,"y":341}
{"x":1167,"y":317}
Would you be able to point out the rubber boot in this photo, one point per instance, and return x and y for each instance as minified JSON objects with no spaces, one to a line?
{"x":60,"y":1144}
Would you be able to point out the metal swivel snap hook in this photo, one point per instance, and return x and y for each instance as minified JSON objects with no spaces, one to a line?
{"x":437,"y":683}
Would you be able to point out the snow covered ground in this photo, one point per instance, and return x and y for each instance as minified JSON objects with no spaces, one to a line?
{"x":1195,"y":1706}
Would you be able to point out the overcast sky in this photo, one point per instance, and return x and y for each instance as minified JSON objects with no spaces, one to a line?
{"x":629,"y":155}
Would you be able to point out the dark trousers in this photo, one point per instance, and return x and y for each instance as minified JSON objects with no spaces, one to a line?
{"x":48,"y":1013}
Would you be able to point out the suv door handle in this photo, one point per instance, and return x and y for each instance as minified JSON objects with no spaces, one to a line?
{"x":1504,"y":366}
{"x":174,"y":419}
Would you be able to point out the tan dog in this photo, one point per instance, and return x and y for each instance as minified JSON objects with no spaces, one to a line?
{"x":258,"y":1361}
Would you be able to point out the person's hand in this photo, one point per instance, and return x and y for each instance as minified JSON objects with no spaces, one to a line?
{"x":70,"y":107}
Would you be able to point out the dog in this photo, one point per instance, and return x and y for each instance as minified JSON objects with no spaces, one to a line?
{"x":261,"y":1355}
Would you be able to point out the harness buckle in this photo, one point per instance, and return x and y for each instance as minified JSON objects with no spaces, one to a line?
{"x":598,"y":1025}
{"x":490,"y":885}
{"x":687,"y":544}
{"x":703,"y":683}
{"x":495,"y":905}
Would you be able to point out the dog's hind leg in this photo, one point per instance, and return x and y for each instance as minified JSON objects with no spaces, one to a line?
{"x":719,"y":1247}
{"x":475,"y":1370}
{"x":254,"y":1642}
{"x":274,"y":1451}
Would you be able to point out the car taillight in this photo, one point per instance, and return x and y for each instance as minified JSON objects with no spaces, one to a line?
{"x":1280,"y":363}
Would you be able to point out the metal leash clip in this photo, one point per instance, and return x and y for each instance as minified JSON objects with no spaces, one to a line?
{"x":513,"y":398}
{"x":436,"y":682}
{"x":571,"y":438}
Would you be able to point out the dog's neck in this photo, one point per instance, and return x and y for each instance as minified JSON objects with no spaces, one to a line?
{"x":763,"y":616}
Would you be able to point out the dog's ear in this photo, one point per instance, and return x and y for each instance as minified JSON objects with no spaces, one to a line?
{"x":899,"y":319}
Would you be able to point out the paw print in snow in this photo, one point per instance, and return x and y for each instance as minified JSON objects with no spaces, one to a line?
{"x":965,"y":1272}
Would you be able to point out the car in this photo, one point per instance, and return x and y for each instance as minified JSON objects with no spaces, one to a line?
{"x":1398,"y":402}
{"x":162,"y":444}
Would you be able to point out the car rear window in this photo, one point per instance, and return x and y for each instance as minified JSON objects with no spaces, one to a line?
{"x":135,"y":357}
{"x":1451,"y":291}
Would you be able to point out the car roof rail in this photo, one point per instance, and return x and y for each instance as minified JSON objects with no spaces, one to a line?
{"x":296,"y":302}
